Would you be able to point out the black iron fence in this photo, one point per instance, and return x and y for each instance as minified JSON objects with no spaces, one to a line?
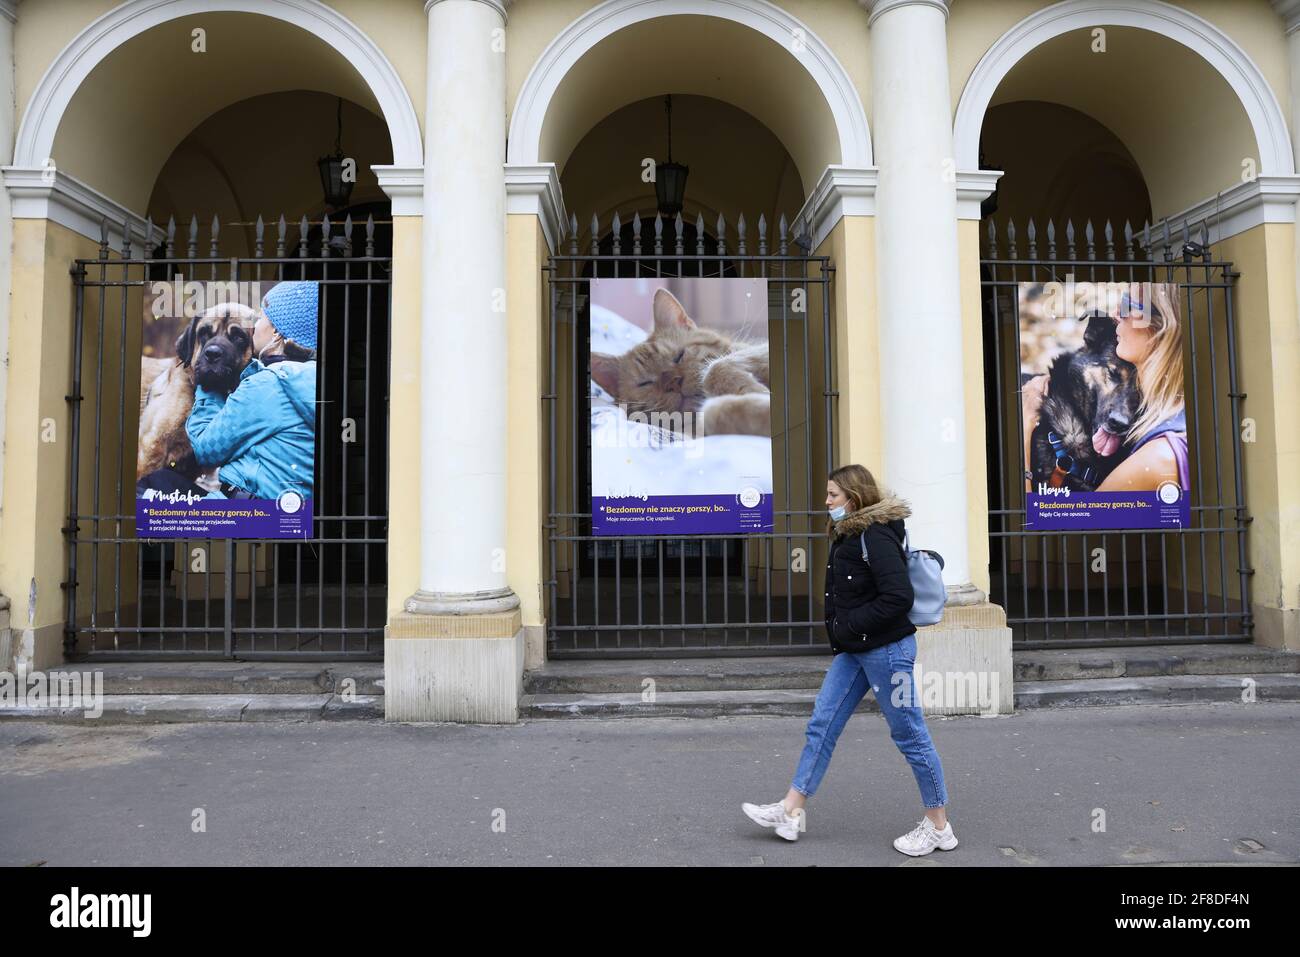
{"x":652,"y":595}
{"x":323,"y":596}
{"x":1079,"y":588}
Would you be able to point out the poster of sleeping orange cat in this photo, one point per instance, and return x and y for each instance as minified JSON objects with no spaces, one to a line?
{"x":681,"y":406}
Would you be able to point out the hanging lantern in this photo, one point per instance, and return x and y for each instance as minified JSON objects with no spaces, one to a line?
{"x":337,"y":189}
{"x":670,"y":177}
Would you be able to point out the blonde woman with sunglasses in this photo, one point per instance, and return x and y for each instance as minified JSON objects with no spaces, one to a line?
{"x":1149,"y":331}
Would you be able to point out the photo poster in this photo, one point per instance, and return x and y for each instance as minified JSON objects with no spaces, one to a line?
{"x":681,"y":419}
{"x":1087,"y":343}
{"x":227,"y":440}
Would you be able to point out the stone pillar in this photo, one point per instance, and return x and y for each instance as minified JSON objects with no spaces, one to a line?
{"x":8,"y":19}
{"x":456,"y":652}
{"x":918,"y":292}
{"x":918,"y":279}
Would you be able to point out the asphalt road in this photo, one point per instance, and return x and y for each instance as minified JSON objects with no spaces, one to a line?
{"x":1189,"y":784}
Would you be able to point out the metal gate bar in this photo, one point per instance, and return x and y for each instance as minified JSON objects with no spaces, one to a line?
{"x":350,"y":495}
{"x":616,"y":605}
{"x":1144,"y":610}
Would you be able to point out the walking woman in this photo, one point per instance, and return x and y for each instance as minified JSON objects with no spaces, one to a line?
{"x":874,"y":644}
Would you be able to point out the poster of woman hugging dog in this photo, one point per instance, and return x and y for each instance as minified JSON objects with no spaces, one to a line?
{"x":227,"y":431}
{"x":1105,"y":430}
{"x":681,"y":418}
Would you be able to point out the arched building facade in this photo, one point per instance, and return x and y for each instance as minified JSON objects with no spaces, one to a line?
{"x":895,"y":170}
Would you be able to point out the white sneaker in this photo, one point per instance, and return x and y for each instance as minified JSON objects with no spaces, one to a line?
{"x":774,"y":815}
{"x":925,"y":837}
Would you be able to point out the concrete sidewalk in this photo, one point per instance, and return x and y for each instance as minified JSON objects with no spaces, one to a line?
{"x":1188,"y":784}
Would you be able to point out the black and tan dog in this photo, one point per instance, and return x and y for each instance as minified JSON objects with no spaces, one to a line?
{"x":1092,"y":400}
{"x":211,"y":352}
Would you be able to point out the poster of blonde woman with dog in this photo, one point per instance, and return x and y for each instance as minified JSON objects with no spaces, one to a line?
{"x":227,"y":432}
{"x":681,"y":424}
{"x":1105,"y":430}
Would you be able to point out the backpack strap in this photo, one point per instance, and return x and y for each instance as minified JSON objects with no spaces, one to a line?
{"x":902,"y":543}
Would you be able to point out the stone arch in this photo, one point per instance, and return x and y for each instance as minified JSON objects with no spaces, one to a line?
{"x":49,"y":101}
{"x":1206,"y":40}
{"x":843,"y":106}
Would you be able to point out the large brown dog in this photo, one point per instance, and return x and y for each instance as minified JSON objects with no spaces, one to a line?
{"x":212,"y":352}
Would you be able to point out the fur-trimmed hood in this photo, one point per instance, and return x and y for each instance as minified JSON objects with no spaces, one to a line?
{"x":889,"y":507}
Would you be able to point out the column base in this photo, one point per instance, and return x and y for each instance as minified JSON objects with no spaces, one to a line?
{"x":965,"y":594}
{"x":963,"y":663}
{"x":461,"y":602}
{"x":1276,"y":627}
{"x":454,"y":667}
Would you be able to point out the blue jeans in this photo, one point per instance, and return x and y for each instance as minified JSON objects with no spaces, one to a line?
{"x":887,"y":670}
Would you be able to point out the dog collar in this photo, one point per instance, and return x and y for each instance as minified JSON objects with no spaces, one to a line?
{"x":1066,"y":465}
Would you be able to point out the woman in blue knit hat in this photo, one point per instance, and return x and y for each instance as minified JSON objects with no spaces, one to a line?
{"x":263,"y":435}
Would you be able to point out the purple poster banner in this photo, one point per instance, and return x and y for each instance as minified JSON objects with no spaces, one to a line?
{"x":1101,"y":395}
{"x":681,"y":418}
{"x":170,"y":515}
{"x":1088,"y":510}
{"x":683,"y":514}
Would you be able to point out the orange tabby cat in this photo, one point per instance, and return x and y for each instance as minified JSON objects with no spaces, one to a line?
{"x":703,"y":374}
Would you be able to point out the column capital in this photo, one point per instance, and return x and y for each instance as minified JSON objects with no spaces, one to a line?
{"x":878,"y":8}
{"x":1289,"y":11}
{"x":501,"y":6}
{"x":534,"y":189}
{"x":44,"y":192}
{"x":404,"y":186}
{"x":840,"y":191}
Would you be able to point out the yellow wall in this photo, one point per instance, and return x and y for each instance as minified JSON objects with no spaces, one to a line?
{"x":1269,"y":357}
{"x":977,"y":463}
{"x":526,"y":317}
{"x":36,"y":472}
{"x":404,"y":416}
{"x":852,"y":248}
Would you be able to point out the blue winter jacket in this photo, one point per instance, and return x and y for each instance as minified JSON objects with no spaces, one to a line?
{"x":263,"y":435}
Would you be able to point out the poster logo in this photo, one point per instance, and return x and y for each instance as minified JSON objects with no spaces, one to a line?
{"x":1105,"y":429}
{"x":681,"y":426}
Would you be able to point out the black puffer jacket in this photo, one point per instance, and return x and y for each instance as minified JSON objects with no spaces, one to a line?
{"x":867,"y":604}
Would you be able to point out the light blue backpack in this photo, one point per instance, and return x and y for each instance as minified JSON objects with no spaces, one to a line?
{"x":925,"y":570}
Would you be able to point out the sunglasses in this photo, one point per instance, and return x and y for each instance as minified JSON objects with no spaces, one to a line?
{"x":1129,"y":306}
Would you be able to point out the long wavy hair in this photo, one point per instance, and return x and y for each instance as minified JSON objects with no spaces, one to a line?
{"x":1160,"y":374}
{"x":859,"y":486}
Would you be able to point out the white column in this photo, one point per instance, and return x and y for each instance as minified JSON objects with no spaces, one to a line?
{"x":1289,"y":11}
{"x":8,"y":18}
{"x":918,"y":287}
{"x":462,"y":494}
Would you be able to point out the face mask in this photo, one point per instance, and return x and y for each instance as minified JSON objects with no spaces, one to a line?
{"x":838,"y":512}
